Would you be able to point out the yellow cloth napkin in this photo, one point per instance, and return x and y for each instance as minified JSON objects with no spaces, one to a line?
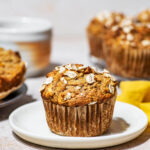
{"x":136,"y":93}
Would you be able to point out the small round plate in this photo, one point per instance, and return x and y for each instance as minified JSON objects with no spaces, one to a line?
{"x":29,"y":123}
{"x":13,"y":97}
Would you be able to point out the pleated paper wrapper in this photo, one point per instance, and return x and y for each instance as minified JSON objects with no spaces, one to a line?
{"x":81,"y":121}
{"x":130,"y":63}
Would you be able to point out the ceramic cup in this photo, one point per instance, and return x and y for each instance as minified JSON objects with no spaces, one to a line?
{"x":31,"y":37}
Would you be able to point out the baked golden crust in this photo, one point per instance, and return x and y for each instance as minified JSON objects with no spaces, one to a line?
{"x":128,"y":34}
{"x":77,"y":85}
{"x":12,"y":70}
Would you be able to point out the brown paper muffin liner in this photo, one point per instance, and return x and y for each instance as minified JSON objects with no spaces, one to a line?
{"x":83,"y":121}
{"x":130,"y":63}
{"x":96,"y":45}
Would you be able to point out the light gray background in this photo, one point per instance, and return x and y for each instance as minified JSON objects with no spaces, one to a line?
{"x":69,"y":17}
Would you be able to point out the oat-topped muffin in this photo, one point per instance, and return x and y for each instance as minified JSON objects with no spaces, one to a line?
{"x":78,"y":100}
{"x":97,"y":29}
{"x":127,"y":49}
{"x":144,"y":16}
{"x":12,"y":70}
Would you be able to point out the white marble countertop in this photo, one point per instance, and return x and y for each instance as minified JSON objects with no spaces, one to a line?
{"x":64,"y":51}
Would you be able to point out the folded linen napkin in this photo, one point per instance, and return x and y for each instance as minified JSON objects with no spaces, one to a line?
{"x":136,"y":93}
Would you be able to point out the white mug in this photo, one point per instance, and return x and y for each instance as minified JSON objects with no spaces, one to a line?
{"x":31,"y":37}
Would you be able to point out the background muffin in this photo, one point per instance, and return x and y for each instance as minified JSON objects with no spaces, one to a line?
{"x":144,"y":16}
{"x":12,"y":71}
{"x":127,"y":49}
{"x":122,"y":42}
{"x":97,"y":29}
{"x":78,"y":100}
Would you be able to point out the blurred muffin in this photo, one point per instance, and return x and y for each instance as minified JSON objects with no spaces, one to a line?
{"x":97,"y":29}
{"x":144,"y":16}
{"x":12,"y":71}
{"x":78,"y":100}
{"x":127,"y":49}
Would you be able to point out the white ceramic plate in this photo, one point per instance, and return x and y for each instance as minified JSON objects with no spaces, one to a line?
{"x":29,"y":123}
{"x":13,"y":97}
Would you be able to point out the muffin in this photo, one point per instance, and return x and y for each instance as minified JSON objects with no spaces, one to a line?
{"x":144,"y":16}
{"x":12,"y":70}
{"x":97,"y":29}
{"x":78,"y":100}
{"x":127,"y":49}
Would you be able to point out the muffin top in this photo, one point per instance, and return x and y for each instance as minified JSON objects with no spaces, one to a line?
{"x":144,"y":16}
{"x":77,"y":85}
{"x":103,"y":21}
{"x":129,"y":34}
{"x":12,"y":69}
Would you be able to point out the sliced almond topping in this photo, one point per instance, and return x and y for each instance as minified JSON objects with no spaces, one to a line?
{"x":63,"y":79}
{"x":146,"y":42}
{"x":81,"y":94}
{"x":70,"y":74}
{"x":74,"y":67}
{"x":92,"y":103}
{"x":78,"y":87}
{"x":103,"y":15}
{"x":48,"y":80}
{"x":90,"y":78}
{"x":111,"y":89}
{"x":68,"y":96}
{"x":96,"y":69}
{"x":71,"y":67}
{"x":42,"y":87}
{"x":107,"y":75}
{"x":112,"y":78}
{"x":57,"y":68}
{"x":82,"y":67}
{"x":115,"y":28}
{"x":130,"y":37}
{"x":126,"y":22}
{"x":127,"y":29}
{"x":60,"y":68}
{"x":105,"y":70}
